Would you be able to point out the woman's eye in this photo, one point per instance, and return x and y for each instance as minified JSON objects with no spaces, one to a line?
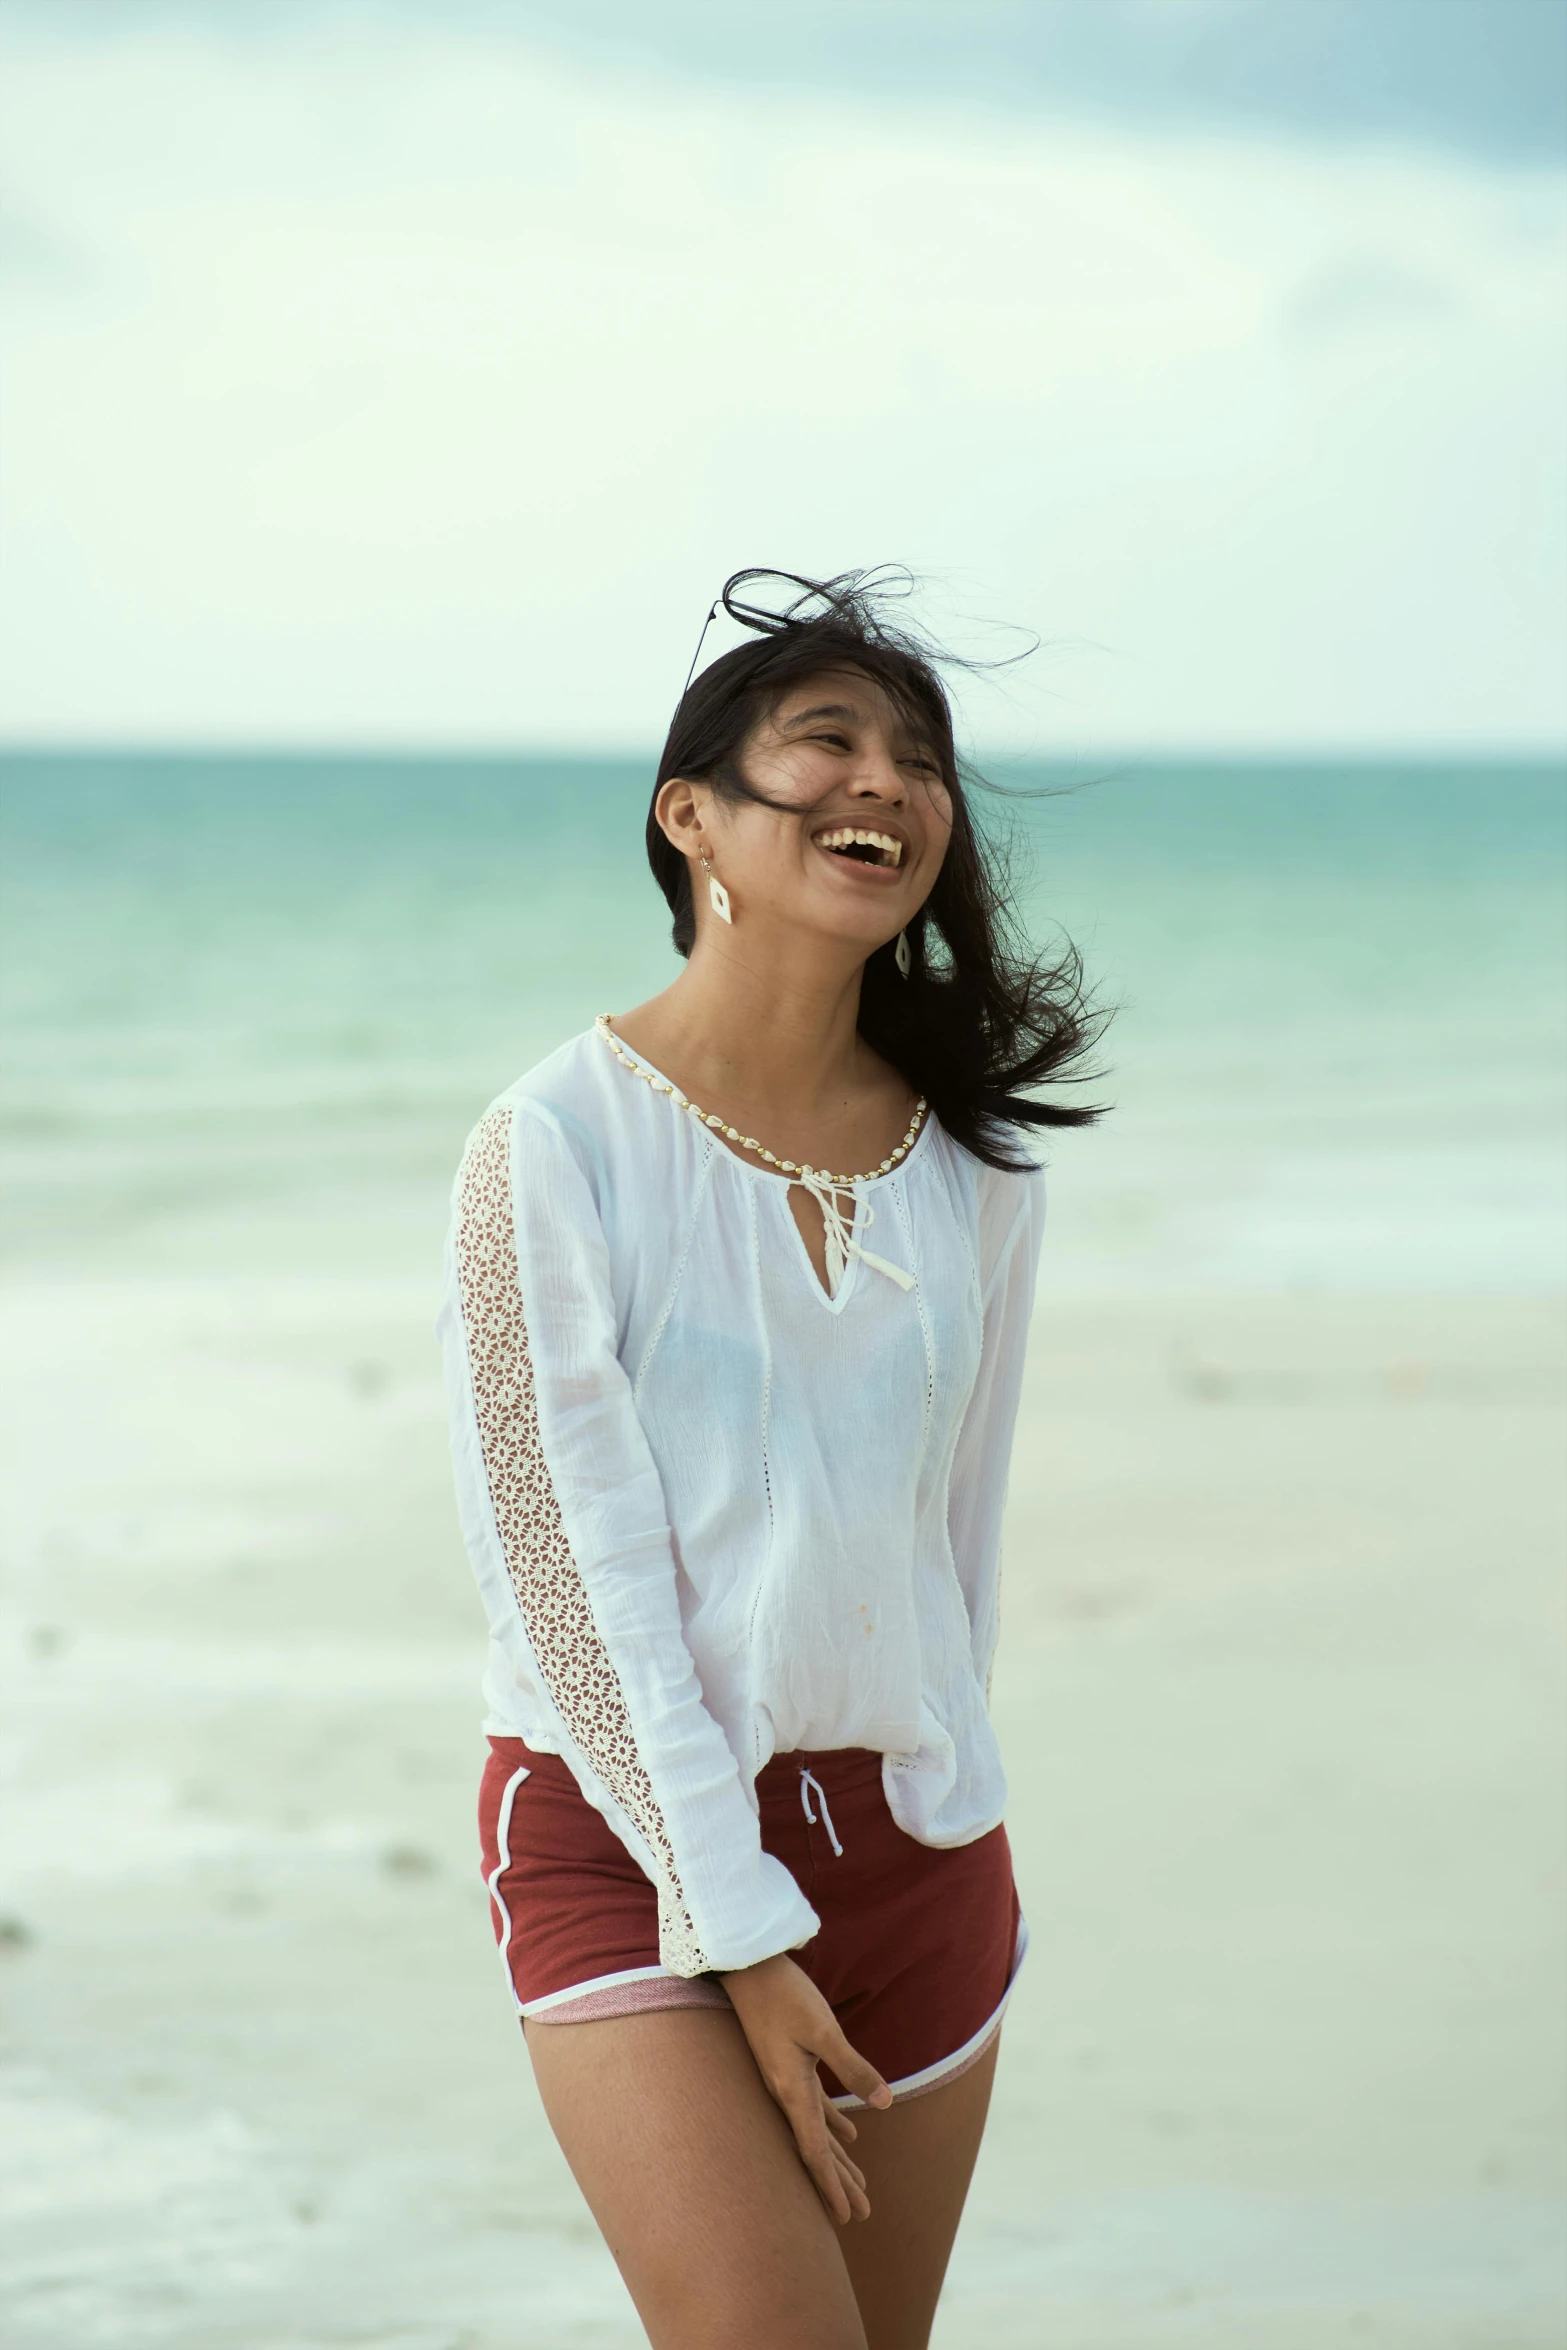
{"x":836,"y":740}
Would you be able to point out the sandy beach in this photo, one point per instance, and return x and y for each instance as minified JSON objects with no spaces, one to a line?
{"x":1279,"y":1695}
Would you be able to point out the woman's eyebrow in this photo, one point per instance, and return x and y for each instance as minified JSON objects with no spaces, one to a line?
{"x":824,"y":710}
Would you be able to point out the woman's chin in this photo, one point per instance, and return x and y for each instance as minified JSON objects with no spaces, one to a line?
{"x":856,"y":940}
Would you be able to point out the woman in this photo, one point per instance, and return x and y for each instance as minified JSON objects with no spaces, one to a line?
{"x":739,"y":1292}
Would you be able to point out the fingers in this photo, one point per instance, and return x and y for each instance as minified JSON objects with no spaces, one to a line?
{"x":836,"y":2177}
{"x":854,"y":2188}
{"x":839,"y":2123}
{"x":858,"y":2077}
{"x":841,"y":2184}
{"x":851,"y":2176}
{"x":847,"y":2165}
{"x":834,"y":2187}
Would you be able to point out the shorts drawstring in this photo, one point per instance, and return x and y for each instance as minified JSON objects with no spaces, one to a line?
{"x":807,"y":1781}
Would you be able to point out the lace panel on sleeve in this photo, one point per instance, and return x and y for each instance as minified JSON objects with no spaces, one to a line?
{"x":575,"y":1664}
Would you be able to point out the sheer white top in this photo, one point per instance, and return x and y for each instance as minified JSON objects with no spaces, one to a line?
{"x":714,"y":1512}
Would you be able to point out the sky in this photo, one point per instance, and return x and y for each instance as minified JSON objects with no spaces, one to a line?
{"x":413,"y":375}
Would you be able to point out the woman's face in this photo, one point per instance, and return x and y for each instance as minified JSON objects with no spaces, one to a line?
{"x":854,"y":847}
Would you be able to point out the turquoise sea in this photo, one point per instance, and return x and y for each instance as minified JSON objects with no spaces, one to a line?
{"x":251,"y":1006}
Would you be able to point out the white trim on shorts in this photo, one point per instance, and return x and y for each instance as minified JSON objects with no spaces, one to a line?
{"x":503,"y":1863}
{"x":947,"y":2068}
{"x":628,"y":1974}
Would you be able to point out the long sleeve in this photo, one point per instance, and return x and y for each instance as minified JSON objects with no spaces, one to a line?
{"x":1011,"y":1229}
{"x":565,"y":1519}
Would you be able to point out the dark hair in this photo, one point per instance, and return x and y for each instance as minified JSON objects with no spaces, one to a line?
{"x":981,"y":1019}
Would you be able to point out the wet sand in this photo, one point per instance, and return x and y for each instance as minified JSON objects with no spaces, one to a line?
{"x":1280,"y":1697}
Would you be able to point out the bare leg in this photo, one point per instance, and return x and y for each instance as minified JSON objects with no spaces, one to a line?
{"x":691,"y":2172}
{"x":917,"y":2159}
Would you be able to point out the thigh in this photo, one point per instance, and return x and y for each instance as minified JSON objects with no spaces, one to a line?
{"x":691,"y":2173}
{"x":918,"y":2158}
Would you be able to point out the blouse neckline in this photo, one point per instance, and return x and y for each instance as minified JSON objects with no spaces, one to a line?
{"x":770,"y":1174}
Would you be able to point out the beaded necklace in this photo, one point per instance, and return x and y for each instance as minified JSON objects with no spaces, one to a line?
{"x":748,"y":1142}
{"x":823,"y":1187}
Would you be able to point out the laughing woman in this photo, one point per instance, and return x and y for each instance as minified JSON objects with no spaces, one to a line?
{"x":739,"y":1292}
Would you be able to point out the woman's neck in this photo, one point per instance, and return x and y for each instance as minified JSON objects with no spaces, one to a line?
{"x":785,"y":1038}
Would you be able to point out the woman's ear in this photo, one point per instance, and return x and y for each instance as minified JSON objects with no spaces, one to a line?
{"x":678,"y":810}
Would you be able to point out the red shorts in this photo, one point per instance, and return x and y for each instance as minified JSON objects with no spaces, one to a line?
{"x":917,"y":1951}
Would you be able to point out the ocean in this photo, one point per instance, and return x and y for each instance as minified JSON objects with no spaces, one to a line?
{"x":251,"y":1006}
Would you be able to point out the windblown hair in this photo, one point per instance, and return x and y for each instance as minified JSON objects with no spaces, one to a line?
{"x":981,"y":1019}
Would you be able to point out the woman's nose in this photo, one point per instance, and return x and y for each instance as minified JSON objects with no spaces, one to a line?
{"x":878,"y":778}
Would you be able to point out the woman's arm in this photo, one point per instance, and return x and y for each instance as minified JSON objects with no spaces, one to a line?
{"x":563,"y":1504}
{"x":1011,"y":1229}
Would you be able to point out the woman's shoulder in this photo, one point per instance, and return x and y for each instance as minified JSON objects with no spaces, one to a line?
{"x":567,"y":1080}
{"x":1004,"y":1191}
{"x":993,"y":1204}
{"x":576,"y":1095}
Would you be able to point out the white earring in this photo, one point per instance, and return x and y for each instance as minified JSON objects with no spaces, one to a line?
{"x":717,"y":895}
{"x":901,"y":955}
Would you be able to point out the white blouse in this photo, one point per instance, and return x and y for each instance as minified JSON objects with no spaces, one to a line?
{"x":716,"y":1513}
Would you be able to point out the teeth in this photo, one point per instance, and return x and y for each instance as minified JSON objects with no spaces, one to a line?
{"x":850,"y":836}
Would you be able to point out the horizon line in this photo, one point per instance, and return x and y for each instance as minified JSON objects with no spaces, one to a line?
{"x":411,"y":752}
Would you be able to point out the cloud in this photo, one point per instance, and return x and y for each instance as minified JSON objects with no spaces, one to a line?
{"x":1486,"y":78}
{"x":418,"y":387}
{"x":1361,"y":293}
{"x":29,"y":255}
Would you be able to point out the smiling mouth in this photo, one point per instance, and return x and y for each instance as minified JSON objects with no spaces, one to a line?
{"x":861,"y":848}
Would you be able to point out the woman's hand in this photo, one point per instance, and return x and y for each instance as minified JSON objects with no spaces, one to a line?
{"x":791,"y":2028}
